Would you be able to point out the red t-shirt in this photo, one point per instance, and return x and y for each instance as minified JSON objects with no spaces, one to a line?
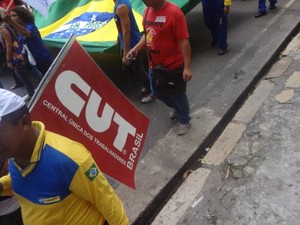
{"x":164,"y":28}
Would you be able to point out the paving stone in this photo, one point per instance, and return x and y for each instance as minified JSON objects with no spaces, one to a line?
{"x":285,"y":96}
{"x":294,"y":80}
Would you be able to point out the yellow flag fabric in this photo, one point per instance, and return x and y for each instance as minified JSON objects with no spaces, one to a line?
{"x":91,"y":21}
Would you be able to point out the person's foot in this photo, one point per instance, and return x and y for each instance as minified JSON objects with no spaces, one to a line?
{"x":27,"y":98}
{"x":260,"y":14}
{"x":222,"y":51}
{"x":143,"y":90}
{"x":183,"y":129}
{"x":173,"y":115}
{"x":272,"y":6}
{"x":15,"y":86}
{"x":147,"y":98}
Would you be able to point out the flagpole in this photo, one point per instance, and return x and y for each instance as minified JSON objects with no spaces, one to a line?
{"x":11,"y":1}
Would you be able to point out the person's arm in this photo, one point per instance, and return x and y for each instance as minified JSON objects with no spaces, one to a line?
{"x":90,"y":184}
{"x":227,"y":4}
{"x":123,"y":13}
{"x":133,"y":53}
{"x":8,"y":47}
{"x":186,"y":53}
{"x":17,"y":27}
{"x":5,"y":186}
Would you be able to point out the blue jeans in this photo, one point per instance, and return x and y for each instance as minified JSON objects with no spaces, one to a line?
{"x":23,"y":73}
{"x":215,"y":20}
{"x":262,"y":5}
{"x":179,"y":103}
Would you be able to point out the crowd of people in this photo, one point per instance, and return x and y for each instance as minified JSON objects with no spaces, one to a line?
{"x":24,"y":50}
{"x":52,"y":183}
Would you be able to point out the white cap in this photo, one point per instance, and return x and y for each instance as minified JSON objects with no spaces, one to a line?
{"x":9,"y":102}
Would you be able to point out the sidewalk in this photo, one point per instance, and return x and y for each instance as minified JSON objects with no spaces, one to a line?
{"x":251,"y":175}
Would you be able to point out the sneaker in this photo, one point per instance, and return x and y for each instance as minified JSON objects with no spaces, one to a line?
{"x":148,"y":98}
{"x":183,"y":129}
{"x":27,"y":98}
{"x":173,"y":115}
{"x":260,"y":14}
{"x":144,"y":90}
{"x":222,"y":51}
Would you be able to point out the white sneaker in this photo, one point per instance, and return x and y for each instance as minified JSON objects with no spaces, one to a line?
{"x":144,"y":90}
{"x":173,"y":115}
{"x":183,"y":129}
{"x":148,"y":98}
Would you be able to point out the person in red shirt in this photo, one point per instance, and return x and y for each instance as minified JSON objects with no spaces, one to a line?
{"x":167,"y":41}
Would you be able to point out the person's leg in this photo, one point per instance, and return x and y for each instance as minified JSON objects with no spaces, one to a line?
{"x":179,"y":103}
{"x":262,"y":6}
{"x":208,"y":17}
{"x":1,"y":86}
{"x":44,"y":66}
{"x":182,"y":108}
{"x":33,"y":70}
{"x":23,"y":77}
{"x":272,"y":4}
{"x":17,"y":83}
{"x":167,"y":99}
{"x":139,"y":71}
{"x":221,"y":24}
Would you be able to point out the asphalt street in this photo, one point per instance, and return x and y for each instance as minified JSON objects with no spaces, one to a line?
{"x":218,"y":88}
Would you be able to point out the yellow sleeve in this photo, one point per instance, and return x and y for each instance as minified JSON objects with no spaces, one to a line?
{"x":227,"y":2}
{"x":6,"y":185}
{"x":90,"y":184}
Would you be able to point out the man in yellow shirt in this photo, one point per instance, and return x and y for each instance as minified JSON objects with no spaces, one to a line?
{"x":55,"y":179}
{"x":215,"y":18}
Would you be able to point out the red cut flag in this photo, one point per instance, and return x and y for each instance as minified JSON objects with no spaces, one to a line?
{"x":77,"y":100}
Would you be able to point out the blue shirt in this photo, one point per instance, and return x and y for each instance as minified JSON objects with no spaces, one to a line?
{"x":36,"y":45}
{"x":135,"y":34}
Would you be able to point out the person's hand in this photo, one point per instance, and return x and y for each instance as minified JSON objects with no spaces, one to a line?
{"x":187,"y":74}
{"x":132,"y":54}
{"x":226,"y":10}
{"x":125,"y":60}
{"x":5,"y":16}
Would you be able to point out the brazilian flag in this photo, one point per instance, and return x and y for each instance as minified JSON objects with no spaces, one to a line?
{"x":91,"y":21}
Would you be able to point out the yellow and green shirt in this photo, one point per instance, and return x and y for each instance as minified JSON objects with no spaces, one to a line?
{"x":62,"y":185}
